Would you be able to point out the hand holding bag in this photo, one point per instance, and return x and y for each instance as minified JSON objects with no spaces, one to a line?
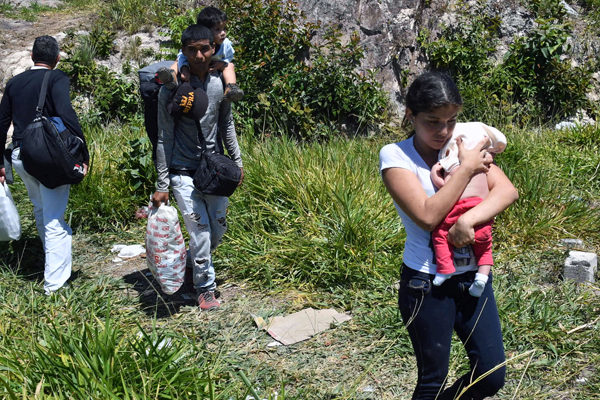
{"x":165,"y":248}
{"x":10,"y":225}
{"x":217,"y":174}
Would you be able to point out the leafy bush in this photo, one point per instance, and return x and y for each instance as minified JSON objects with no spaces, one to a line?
{"x":110,"y":96}
{"x":138,"y":167}
{"x":534,"y":82}
{"x":292,"y":85}
{"x":535,"y":70}
{"x":465,"y":49}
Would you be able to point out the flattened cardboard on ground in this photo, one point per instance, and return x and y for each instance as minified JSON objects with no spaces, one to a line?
{"x":300,"y":325}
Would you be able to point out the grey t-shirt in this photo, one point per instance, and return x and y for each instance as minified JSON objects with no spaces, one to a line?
{"x":178,"y":144}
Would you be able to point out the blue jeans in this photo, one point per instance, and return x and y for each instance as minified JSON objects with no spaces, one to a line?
{"x":49,"y":207}
{"x":431,"y":313}
{"x":205,"y":220}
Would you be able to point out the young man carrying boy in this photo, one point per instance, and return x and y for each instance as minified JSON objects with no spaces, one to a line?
{"x":215,"y":20}
{"x":178,"y":155}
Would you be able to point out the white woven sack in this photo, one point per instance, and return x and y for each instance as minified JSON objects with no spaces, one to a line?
{"x":165,"y":248}
{"x":10,"y":225}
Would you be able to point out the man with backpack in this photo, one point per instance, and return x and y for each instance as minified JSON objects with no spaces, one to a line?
{"x":18,"y":106}
{"x":182,"y":135}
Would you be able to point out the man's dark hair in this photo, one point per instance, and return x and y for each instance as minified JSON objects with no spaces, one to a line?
{"x":45,"y":49}
{"x":196,"y":32}
{"x":210,"y":16}
{"x":432,"y":90}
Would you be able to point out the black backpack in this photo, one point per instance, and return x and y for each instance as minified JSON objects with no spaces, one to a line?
{"x":51,"y":156}
{"x":149,"y":87}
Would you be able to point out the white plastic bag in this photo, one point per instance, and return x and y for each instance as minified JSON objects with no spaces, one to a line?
{"x":165,"y":248}
{"x":10,"y":226}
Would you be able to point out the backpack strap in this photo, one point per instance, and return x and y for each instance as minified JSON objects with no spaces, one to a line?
{"x":42,"y":99}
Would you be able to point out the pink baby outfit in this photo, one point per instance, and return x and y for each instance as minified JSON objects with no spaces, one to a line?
{"x":444,"y":251}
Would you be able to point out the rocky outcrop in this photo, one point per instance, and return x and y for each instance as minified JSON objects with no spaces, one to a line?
{"x":388,"y":31}
{"x":389,"y":28}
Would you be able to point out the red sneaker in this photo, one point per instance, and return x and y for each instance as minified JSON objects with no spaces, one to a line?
{"x":207,"y":301}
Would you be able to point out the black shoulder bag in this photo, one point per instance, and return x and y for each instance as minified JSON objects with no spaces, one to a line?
{"x":217,"y":174}
{"x":52,"y":157}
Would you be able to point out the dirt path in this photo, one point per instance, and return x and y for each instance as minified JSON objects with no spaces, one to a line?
{"x":16,"y":36}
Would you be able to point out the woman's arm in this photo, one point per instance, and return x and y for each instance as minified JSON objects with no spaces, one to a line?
{"x":502,"y":194}
{"x":428,"y":212}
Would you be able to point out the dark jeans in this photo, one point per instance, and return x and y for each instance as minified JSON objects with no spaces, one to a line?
{"x":431,"y":313}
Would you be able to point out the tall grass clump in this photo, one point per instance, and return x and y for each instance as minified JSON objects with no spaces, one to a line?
{"x":558,"y":178}
{"x":84,"y":342}
{"x":312,"y":214}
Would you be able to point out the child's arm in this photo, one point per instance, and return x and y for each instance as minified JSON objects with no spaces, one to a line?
{"x":219,"y":65}
{"x":183,"y":67}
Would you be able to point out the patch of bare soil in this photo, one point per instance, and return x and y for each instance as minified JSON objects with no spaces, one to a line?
{"x":16,"y":35}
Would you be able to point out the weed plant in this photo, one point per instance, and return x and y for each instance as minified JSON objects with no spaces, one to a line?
{"x":293,"y":86}
{"x":534,"y":83}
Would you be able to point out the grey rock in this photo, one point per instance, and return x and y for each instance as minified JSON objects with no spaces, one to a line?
{"x":388,"y":30}
{"x":581,"y":266}
{"x":571,"y":243}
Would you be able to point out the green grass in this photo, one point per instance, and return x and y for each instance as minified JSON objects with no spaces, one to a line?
{"x":311,"y":226}
{"x":29,"y":14}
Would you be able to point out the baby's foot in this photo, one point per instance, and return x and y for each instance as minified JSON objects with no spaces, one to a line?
{"x":478,"y":285}
{"x":233,"y":92}
{"x":440,"y":278}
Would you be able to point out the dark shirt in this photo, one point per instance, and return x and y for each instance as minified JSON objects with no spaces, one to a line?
{"x":20,"y":100}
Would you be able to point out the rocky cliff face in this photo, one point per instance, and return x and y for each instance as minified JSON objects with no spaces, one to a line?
{"x":389,"y":28}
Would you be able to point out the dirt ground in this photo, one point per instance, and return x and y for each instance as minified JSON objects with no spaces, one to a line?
{"x":17,"y":36}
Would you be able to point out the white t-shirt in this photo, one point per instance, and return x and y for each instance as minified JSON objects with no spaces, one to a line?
{"x":418,"y":249}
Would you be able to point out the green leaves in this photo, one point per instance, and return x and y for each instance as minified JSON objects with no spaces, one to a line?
{"x":534,"y":82}
{"x":295,"y":85}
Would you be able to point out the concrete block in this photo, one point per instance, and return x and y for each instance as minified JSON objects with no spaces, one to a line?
{"x":581,"y":266}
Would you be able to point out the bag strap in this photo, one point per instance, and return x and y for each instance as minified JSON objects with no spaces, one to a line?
{"x":42,"y":99}
{"x":203,"y":141}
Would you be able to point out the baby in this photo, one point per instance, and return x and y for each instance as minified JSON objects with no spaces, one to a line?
{"x":477,"y":189}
